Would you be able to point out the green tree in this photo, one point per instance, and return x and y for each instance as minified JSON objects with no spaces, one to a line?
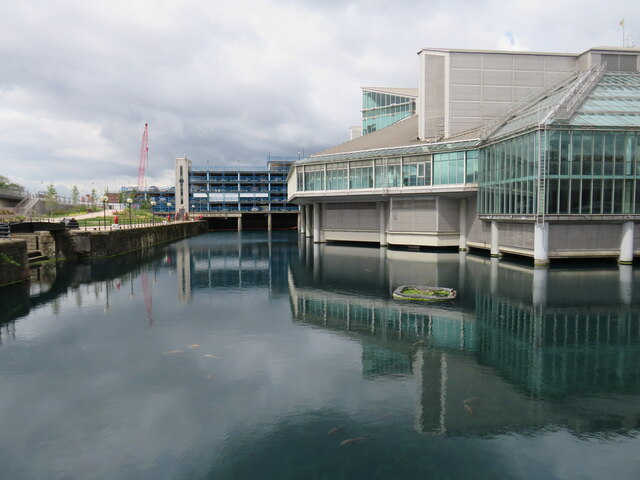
{"x":52,"y":193}
{"x":94,"y":197}
{"x":75,"y":194}
{"x":5,"y":182}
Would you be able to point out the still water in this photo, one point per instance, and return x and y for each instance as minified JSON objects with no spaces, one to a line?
{"x":262,"y":356}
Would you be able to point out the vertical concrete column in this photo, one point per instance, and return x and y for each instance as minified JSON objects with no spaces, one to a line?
{"x":307,"y":217}
{"x":240,"y":223}
{"x":302,"y":222}
{"x":382,"y":212}
{"x":495,"y":236}
{"x":539,"y":286}
{"x":269,"y":221}
{"x":541,"y":244}
{"x":463,"y":225}
{"x":316,"y":222}
{"x":626,"y":244}
{"x":625,"y":276}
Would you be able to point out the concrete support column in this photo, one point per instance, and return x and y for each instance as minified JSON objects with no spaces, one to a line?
{"x":316,"y":222}
{"x":626,"y":244}
{"x":240,"y":223}
{"x":269,"y":219}
{"x":463,"y":225}
{"x":307,"y":216}
{"x":302,"y":222}
{"x":625,"y":275}
{"x":382,"y":212}
{"x":539,"y":286}
{"x":495,"y":235}
{"x":541,"y":244}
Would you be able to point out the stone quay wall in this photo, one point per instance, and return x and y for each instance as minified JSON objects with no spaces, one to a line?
{"x":80,"y":244}
{"x":14,"y":266}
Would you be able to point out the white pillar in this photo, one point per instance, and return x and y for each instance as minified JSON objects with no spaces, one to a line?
{"x":495,"y":235}
{"x":316,"y":222}
{"x":463,"y":225}
{"x":302,"y":220}
{"x":625,"y":275}
{"x":541,"y":244}
{"x":307,"y":216}
{"x":382,"y":212}
{"x":240,"y":223}
{"x":269,"y":221}
{"x":539,"y":287}
{"x":626,"y":244}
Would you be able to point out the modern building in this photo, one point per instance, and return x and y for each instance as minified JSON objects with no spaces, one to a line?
{"x":535,"y":154}
{"x":227,"y":195}
{"x":382,"y":107}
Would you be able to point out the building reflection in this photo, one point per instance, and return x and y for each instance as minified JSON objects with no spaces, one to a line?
{"x":521,"y":348}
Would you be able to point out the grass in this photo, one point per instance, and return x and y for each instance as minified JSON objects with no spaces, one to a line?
{"x":431,"y":293}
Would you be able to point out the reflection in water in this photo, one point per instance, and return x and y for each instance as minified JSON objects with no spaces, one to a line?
{"x":491,"y":361}
{"x":234,"y":355}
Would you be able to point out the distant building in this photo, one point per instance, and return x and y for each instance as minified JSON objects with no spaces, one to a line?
{"x":536,"y":154}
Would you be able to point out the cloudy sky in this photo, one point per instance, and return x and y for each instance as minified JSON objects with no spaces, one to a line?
{"x":230,"y":81}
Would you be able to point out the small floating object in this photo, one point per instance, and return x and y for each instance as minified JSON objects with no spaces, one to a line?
{"x":470,"y":400}
{"x":424,"y":294}
{"x":172,"y":352}
{"x":468,"y":409}
{"x":211,"y":355}
{"x":351,"y":440}
{"x":194,"y":345}
{"x":335,"y":430}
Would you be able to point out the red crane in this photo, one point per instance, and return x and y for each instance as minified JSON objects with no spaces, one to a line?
{"x":144,"y":150}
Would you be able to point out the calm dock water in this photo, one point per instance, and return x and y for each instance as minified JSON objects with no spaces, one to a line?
{"x":257,"y":355}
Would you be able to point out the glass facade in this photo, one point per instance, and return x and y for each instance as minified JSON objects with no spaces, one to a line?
{"x":409,"y":171}
{"x":588,"y":173}
{"x":380,"y":110}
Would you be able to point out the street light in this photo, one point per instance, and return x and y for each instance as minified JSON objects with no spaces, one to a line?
{"x":129,"y":202}
{"x":153,"y":210}
{"x":104,"y":200}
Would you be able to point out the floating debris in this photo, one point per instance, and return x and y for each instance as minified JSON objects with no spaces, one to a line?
{"x":172,"y":352}
{"x":335,"y":430}
{"x":351,"y":440}
{"x":470,"y":400}
{"x":419,"y":343}
{"x":209,"y":377}
{"x":194,"y":345}
{"x":468,"y":409}
{"x":211,"y":355}
{"x":423,"y":293}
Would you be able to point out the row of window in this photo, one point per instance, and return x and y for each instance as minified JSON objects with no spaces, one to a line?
{"x":587,"y":172}
{"x":411,"y":171}
{"x":376,"y":99}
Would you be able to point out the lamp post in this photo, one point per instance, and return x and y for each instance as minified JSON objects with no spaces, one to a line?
{"x":169,"y":208}
{"x":153,"y":210}
{"x":104,"y":200}
{"x":129,"y":202}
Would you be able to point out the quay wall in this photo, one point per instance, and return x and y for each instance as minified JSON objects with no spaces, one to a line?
{"x":80,"y":245}
{"x":14,"y":266}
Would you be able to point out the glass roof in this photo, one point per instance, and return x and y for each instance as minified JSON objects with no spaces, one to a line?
{"x":393,"y":152}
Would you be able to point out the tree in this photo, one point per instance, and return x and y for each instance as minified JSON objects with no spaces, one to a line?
{"x":94,"y":196}
{"x":75,"y":194}
{"x":5,"y":182}
{"x":52,"y":193}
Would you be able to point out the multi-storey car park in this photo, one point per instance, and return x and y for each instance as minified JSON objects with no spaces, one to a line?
{"x":536,"y":154}
{"x":225,"y":196}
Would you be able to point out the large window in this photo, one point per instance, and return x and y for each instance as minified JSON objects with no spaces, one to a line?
{"x":588,"y":173}
{"x":448,"y":168}
{"x":388,"y":172}
{"x":416,"y":171}
{"x":337,"y":176}
{"x":361,"y":174}
{"x":314,"y":177}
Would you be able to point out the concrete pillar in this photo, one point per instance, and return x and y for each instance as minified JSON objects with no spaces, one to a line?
{"x":463,"y":225}
{"x":269,"y":221}
{"x":240,"y":223}
{"x":307,"y":216}
{"x":493,"y":275}
{"x":382,"y":212}
{"x":302,"y":222}
{"x":539,"y":286}
{"x":625,"y":276}
{"x":495,"y":235}
{"x":541,"y":244}
{"x":626,"y":244}
{"x":316,"y":222}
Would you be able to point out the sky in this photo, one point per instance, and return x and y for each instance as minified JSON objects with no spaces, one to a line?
{"x":231,"y":82}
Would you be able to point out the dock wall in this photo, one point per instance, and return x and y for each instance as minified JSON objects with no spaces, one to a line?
{"x":14,"y":266}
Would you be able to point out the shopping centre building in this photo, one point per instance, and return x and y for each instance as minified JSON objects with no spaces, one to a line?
{"x":535,"y":154}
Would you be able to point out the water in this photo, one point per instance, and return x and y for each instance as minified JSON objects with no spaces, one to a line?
{"x":256,"y":356}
